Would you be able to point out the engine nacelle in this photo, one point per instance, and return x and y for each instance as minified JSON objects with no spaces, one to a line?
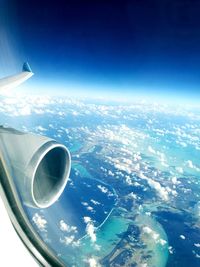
{"x":40,"y":166}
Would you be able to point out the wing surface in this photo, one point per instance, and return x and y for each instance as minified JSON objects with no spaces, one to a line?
{"x":15,"y":80}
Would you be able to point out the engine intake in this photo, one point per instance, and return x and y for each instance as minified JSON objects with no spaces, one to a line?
{"x":40,"y":166}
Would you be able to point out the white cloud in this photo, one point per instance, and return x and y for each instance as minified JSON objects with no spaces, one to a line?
{"x":179,"y":169}
{"x":132,"y":196}
{"x":92,"y":262}
{"x":84,"y":204}
{"x":90,"y":229}
{"x":97,"y":247}
{"x":67,"y":240}
{"x":128,"y":180}
{"x":175,"y":181}
{"x":162,"y":242}
{"x":171,"y":250}
{"x":95,"y":202}
{"x":151,"y":150}
{"x":40,"y":222}
{"x":143,"y":265}
{"x":147,"y":230}
{"x":103,"y":189}
{"x":87,"y":219}
{"x":90,"y":208}
{"x":191,"y":165}
{"x":67,"y":228}
{"x":24,"y":111}
{"x":111,"y":173}
{"x":40,"y":128}
{"x":162,"y":191}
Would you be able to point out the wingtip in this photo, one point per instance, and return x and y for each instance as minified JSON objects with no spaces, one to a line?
{"x":26,"y":67}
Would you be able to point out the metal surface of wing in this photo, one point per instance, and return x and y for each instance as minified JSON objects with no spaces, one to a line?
{"x":15,"y":80}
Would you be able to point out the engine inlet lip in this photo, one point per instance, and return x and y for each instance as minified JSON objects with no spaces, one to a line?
{"x":32,"y":168}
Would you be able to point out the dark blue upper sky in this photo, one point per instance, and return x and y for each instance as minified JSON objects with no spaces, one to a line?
{"x":136,"y":46}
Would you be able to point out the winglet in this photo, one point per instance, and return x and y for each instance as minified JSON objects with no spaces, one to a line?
{"x":26,"y":67}
{"x":15,"y":80}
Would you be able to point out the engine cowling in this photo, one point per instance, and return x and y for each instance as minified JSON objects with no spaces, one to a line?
{"x":40,"y":166}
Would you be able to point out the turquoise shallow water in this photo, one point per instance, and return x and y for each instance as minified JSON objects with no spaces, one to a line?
{"x":107,"y":237}
{"x":82,"y":170}
{"x":153,"y":238}
{"x":76,"y":147}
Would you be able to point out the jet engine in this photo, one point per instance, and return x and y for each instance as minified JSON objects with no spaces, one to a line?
{"x":40,"y":166}
{"x":34,"y":171}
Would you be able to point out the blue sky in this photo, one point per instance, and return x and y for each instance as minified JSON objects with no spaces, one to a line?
{"x":117,"y":47}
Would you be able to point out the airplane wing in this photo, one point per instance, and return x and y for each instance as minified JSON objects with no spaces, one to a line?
{"x":15,"y":80}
